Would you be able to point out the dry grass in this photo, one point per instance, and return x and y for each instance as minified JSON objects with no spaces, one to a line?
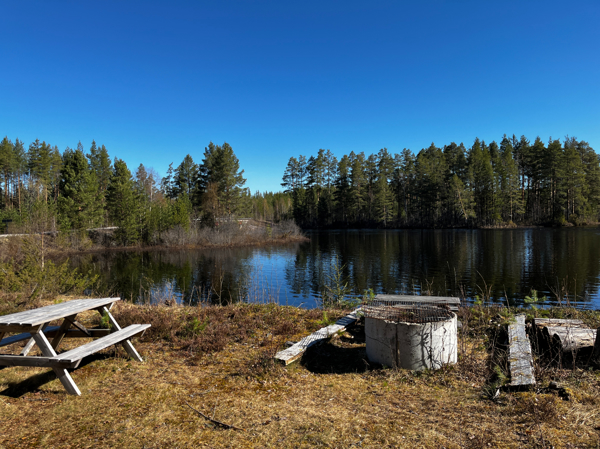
{"x":332,"y":398}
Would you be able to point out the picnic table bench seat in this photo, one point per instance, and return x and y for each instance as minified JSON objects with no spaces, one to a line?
{"x":72,"y":358}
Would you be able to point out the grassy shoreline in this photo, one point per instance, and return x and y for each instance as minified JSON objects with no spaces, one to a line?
{"x":218,"y":360}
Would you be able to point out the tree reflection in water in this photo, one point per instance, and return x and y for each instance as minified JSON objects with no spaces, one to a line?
{"x":438,"y":262}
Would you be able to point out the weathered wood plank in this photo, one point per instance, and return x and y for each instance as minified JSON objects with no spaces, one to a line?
{"x":557,"y":322}
{"x":50,"y":332}
{"x":60,"y":333}
{"x":127,"y":345}
{"x":295,"y":351}
{"x":519,"y":354}
{"x":44,"y":362}
{"x":452,"y":302}
{"x":12,"y":328}
{"x":61,"y":373}
{"x":26,"y":316}
{"x":76,"y":333}
{"x":31,"y":342}
{"x":75,"y":355}
{"x":23,"y":336}
{"x":50,"y":313}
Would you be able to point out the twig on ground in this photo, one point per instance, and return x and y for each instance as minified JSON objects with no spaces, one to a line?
{"x":214,"y":421}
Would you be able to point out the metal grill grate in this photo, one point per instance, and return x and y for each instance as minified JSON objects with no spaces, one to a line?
{"x":407,"y":312}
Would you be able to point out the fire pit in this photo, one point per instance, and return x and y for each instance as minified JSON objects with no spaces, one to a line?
{"x":412,"y":336}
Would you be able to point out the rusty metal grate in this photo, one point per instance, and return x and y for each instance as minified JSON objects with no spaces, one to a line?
{"x":407,"y":312}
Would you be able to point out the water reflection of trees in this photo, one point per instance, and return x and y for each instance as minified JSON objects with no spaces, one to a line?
{"x":505,"y":263}
{"x":218,"y":276}
{"x":439,"y":262}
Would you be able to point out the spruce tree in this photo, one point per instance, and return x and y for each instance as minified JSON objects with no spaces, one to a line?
{"x":78,"y":203}
{"x":124,"y":204}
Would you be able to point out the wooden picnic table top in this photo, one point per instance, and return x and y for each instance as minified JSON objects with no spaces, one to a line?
{"x":36,"y":317}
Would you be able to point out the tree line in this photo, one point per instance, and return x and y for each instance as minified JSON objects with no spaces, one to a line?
{"x":42,"y":189}
{"x":514,"y":182}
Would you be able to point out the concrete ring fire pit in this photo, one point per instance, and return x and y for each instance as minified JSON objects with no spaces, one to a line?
{"x":415,"y":337}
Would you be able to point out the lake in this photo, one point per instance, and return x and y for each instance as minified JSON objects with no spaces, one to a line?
{"x":501,"y":264}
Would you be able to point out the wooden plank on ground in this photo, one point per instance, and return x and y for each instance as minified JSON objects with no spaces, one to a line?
{"x":519,"y":354}
{"x":294,"y":352}
{"x":434,"y":300}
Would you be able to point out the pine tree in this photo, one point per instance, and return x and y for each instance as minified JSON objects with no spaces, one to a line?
{"x":20,"y":169}
{"x":342,"y":190}
{"x":358,"y":190}
{"x":6,"y":168}
{"x":509,"y":186}
{"x":221,"y":167}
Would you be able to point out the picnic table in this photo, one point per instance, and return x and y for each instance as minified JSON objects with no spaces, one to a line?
{"x":33,"y":325}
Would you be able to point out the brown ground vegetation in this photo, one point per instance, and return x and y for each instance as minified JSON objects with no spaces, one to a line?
{"x":228,"y":234}
{"x":219,"y":361}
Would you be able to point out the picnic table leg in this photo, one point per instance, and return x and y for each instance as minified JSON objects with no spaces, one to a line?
{"x":31,"y":342}
{"x":62,"y":330}
{"x":61,"y":373}
{"x":127,"y":345}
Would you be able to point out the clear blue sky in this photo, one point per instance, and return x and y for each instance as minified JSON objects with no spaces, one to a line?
{"x":154,"y":81}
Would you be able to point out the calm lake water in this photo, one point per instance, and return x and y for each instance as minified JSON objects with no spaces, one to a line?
{"x":501,"y":264}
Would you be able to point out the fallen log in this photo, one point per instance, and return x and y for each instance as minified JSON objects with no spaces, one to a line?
{"x":569,"y":339}
{"x":557,"y":322}
{"x":543,"y":331}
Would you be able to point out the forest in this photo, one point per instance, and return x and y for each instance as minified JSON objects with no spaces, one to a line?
{"x":44,"y":190}
{"x":512,"y":183}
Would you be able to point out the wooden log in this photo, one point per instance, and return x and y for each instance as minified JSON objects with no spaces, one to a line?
{"x":557,"y":322}
{"x":295,"y":351}
{"x":542,"y":339}
{"x":570,"y":340}
{"x":519,"y":354}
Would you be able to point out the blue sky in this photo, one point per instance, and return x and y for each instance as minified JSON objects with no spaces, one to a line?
{"x":154,"y":81}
